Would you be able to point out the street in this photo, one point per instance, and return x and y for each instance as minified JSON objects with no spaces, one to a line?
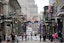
{"x":31,"y":21}
{"x":34,"y":42}
{"x":29,"y":38}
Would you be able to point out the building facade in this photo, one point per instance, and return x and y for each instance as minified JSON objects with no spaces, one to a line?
{"x":1,"y":18}
{"x":58,"y":12}
{"x":45,"y":21}
{"x":9,"y":12}
{"x":49,"y":20}
{"x":29,"y":8}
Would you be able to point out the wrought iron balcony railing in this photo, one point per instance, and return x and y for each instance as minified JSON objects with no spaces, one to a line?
{"x":60,"y":6}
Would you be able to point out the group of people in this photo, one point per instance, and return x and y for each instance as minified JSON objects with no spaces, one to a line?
{"x":52,"y":36}
{"x":26,"y":36}
{"x":11,"y":37}
{"x":44,"y":37}
{"x":8,"y":38}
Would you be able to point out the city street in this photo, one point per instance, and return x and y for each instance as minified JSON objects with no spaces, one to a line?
{"x":33,"y":42}
{"x":31,"y":21}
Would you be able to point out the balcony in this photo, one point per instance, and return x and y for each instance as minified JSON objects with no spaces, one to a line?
{"x":60,"y":8}
{"x":61,"y":4}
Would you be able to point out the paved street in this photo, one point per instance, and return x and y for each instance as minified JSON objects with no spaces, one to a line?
{"x":33,"y":42}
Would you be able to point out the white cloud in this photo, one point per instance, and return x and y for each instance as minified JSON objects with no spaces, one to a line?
{"x":41,"y":4}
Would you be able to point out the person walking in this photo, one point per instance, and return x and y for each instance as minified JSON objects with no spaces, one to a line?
{"x":44,"y":36}
{"x":36,"y":36}
{"x":0,"y":36}
{"x":54,"y":37}
{"x":4,"y":35}
{"x":22,"y":36}
{"x":31,"y":35}
{"x":40,"y":37}
{"x":50,"y":36}
{"x":25,"y":37}
{"x":13,"y":37}
{"x":60,"y":36}
{"x":0,"y":39}
{"x":8,"y":38}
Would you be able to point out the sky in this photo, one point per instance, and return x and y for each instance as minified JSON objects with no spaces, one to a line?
{"x":41,"y":4}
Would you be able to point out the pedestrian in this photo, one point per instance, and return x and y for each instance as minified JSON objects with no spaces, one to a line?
{"x":0,"y":39}
{"x":8,"y":38}
{"x":60,"y":36}
{"x":16,"y":38}
{"x":25,"y":37}
{"x":50,"y":36}
{"x":54,"y":36}
{"x":22,"y":35}
{"x":40,"y":37}
{"x":4,"y":35}
{"x":31,"y":35}
{"x":0,"y":36}
{"x":28,"y":37}
{"x":13,"y":37}
{"x":36,"y":36}
{"x":44,"y":36}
